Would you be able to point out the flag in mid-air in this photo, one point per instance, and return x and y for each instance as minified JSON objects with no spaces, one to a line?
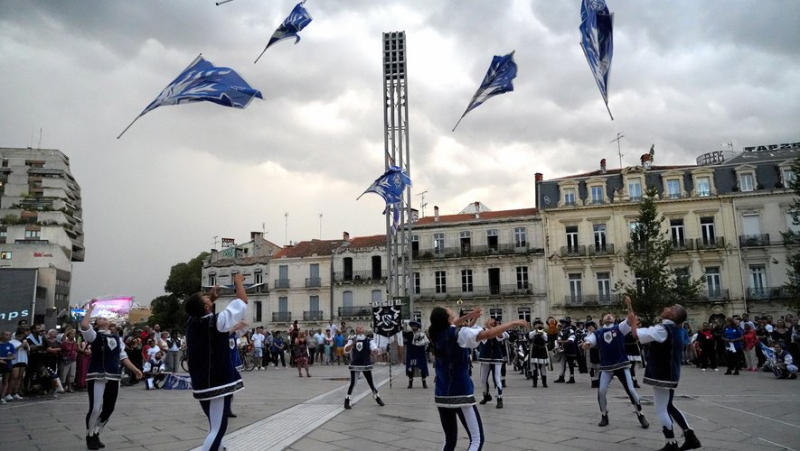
{"x":202,"y":81}
{"x":298,"y":19}
{"x":498,"y":80}
{"x":391,"y":186}
{"x":597,"y":42}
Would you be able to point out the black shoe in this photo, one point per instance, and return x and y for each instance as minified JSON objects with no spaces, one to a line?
{"x":736,"y":373}
{"x":410,"y":383}
{"x":379,"y":401}
{"x":91,"y":442}
{"x":347,"y":403}
{"x":571,"y":380}
{"x":603,"y":421}
{"x":97,"y":440}
{"x":793,"y":376}
{"x":595,"y":384}
{"x":728,"y":373}
{"x":691,"y":440}
{"x":486,"y":398}
{"x":232,"y":415}
{"x":544,"y":382}
{"x":670,"y":447}
{"x":643,"y":421}
{"x":635,"y":384}
{"x":535,"y":383}
{"x":560,"y":380}
{"x":424,"y":384}
{"x":499,"y":403}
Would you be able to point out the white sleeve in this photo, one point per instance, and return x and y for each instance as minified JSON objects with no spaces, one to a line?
{"x":624,"y":327}
{"x":122,"y":354}
{"x":468,"y":337}
{"x":655,"y":333}
{"x":88,"y":335}
{"x":591,"y":339}
{"x":146,"y":368}
{"x":373,"y":345}
{"x":233,"y":313}
{"x":502,"y":337}
{"x":571,"y":338}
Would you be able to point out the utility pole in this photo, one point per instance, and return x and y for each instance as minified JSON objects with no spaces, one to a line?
{"x":320,"y":226}
{"x":422,"y":203}
{"x":619,"y":150}
{"x":215,"y":241}
{"x":286,"y":228}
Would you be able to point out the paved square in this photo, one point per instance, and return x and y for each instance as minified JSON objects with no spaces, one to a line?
{"x":279,"y":410}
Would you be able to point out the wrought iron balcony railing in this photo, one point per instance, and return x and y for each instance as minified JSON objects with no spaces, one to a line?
{"x":281,"y":317}
{"x":761,"y":239}
{"x":312,"y":315}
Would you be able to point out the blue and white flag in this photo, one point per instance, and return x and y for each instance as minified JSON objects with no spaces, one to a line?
{"x":497,"y":81}
{"x":297,"y":20}
{"x":769,"y":353}
{"x":202,"y":81}
{"x":597,"y":42}
{"x":390,"y":186}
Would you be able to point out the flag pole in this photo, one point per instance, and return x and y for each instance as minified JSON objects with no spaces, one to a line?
{"x":609,"y":111}
{"x":129,"y":126}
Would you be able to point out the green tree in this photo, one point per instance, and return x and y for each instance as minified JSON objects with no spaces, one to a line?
{"x":184,"y":280}
{"x":655,"y":284}
{"x":791,"y":240}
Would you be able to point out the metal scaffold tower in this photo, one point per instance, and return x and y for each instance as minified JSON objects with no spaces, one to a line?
{"x":396,"y":153}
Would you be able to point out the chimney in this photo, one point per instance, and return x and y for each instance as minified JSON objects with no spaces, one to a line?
{"x":603,"y":166}
{"x":254,"y":235}
{"x":477,"y":209}
{"x":345,"y":236}
{"x":537,"y":179}
{"x":435,"y":213}
{"x":646,"y":161}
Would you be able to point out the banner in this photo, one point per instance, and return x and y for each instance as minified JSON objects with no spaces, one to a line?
{"x":17,"y":292}
{"x":387,"y":317}
{"x":114,"y":308}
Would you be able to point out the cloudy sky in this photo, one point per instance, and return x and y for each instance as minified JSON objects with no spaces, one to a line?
{"x":686,"y":75}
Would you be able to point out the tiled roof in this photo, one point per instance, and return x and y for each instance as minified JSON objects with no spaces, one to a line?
{"x":618,"y":171}
{"x":309,"y":248}
{"x":367,"y":241}
{"x":486,"y":215}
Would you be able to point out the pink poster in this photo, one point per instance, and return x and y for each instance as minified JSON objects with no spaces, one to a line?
{"x":115,"y":308}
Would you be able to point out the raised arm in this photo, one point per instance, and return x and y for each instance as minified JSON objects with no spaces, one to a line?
{"x":499,"y":330}
{"x":85,"y":322}
{"x":632,"y":320}
{"x":238,"y":281}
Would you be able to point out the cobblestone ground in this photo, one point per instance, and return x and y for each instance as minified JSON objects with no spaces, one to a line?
{"x":279,"y":410}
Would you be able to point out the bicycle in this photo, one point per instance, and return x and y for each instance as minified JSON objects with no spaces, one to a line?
{"x":184,"y":360}
{"x":248,"y":361}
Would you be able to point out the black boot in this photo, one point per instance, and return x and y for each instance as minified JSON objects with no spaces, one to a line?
{"x":378,"y":400}
{"x":560,"y":380}
{"x":691,"y":440}
{"x":603,"y":420}
{"x":486,"y":398}
{"x":97,"y":440}
{"x":670,"y":446}
{"x":669,"y":435}
{"x":643,"y":420}
{"x":347,"y":403}
{"x":544,"y":381}
{"x":499,"y":403}
{"x":424,"y":384}
{"x":571,"y":380}
{"x":91,"y":442}
{"x":535,"y":382}
{"x":636,"y":384}
{"x":410,"y":382}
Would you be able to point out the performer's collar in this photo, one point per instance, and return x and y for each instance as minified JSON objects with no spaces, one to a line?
{"x":668,"y":321}
{"x":207,"y":315}
{"x":360,"y":337}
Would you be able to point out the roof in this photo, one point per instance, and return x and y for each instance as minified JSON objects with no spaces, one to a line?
{"x":763,"y":156}
{"x":618,"y":171}
{"x":367,"y":241}
{"x":486,"y":215}
{"x":310,"y":248}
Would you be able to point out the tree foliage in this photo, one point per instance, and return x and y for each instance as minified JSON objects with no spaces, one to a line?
{"x":184,"y":280}
{"x":655,"y":284}
{"x":791,"y":240}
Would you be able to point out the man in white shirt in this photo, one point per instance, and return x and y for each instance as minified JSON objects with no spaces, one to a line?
{"x":258,"y":347}
{"x":319,"y":337}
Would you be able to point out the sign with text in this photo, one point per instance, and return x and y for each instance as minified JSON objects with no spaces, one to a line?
{"x":113,"y":308}
{"x":768,"y":147}
{"x":387,"y":317}
{"x":228,"y":242}
{"x":17,"y":292}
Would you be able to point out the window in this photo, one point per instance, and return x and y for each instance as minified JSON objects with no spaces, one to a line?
{"x":313,"y":303}
{"x":676,"y":230}
{"x":492,"y":239}
{"x":682,"y":275}
{"x":212,"y":280}
{"x":377,"y":271}
{"x":283,"y":304}
{"x":635,"y":190}
{"x":703,"y":187}
{"x":466,"y":281}
{"x":418,"y":316}
{"x":790,"y":225}
{"x":496,"y":313}
{"x":347,"y":299}
{"x":522,"y":277}
{"x":416,"y":283}
{"x":257,"y":313}
{"x":520,"y":237}
{"x":5,"y":255}
{"x":440,"y":277}
{"x":415,"y":245}
{"x":673,"y":188}
{"x":313,"y":274}
{"x":572,"y":238}
{"x":3,"y":233}
{"x":751,"y":226}
{"x":258,"y":277}
{"x":746,"y":182}
{"x":707,"y":229}
{"x":524,"y":313}
{"x":438,"y":243}
{"x":575,"y":287}
{"x":377,"y":296}
{"x":569,"y":196}
{"x":633,"y":226}
{"x":757,"y":279}
{"x":32,"y":234}
{"x":599,"y":237}
{"x":597,"y":194}
{"x":788,"y":177}
{"x":603,"y":286}
{"x":465,"y":239}
{"x":713,"y":282}
{"x":640,"y":285}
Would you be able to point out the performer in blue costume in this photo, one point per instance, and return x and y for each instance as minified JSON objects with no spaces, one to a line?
{"x":664,"y":371}
{"x":610,"y":339}
{"x":416,"y":357}
{"x":208,"y":344}
{"x":362,"y":348}
{"x":539,"y":357}
{"x":491,"y":358}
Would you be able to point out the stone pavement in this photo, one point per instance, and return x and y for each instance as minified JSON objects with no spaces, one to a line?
{"x":278,"y":410}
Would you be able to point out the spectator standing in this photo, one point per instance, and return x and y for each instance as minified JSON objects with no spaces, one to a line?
{"x":7,"y":352}
{"x":750,"y":344}
{"x":708,"y":351}
{"x":68,"y":364}
{"x":84,"y":358}
{"x":781,"y":333}
{"x":277,"y":349}
{"x":19,"y":364}
{"x":328,"y":347}
{"x":338,"y":343}
{"x":173,"y":352}
{"x":733,"y":338}
{"x":302,"y":348}
{"x":319,"y":338}
{"x":258,"y":348}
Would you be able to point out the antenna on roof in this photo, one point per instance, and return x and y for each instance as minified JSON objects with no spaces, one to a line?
{"x":422,"y":203}
{"x":320,"y":226}
{"x":619,"y":150}
{"x":286,"y":227}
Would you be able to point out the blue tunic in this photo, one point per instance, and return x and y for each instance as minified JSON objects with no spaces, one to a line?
{"x":415,"y":346}
{"x":611,"y":343}
{"x":361,"y":354}
{"x":454,"y":386}
{"x":493,"y":350}
{"x":106,"y":352}
{"x":664,"y":359}
{"x":211,"y":364}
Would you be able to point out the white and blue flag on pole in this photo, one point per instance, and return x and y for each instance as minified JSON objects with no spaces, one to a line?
{"x":294,"y":23}
{"x":497,"y":81}
{"x":201,"y":82}
{"x":597,"y":42}
{"x":390,"y":186}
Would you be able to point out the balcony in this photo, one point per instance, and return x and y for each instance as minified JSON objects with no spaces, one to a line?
{"x":583,"y":300}
{"x":754,"y":240}
{"x":313,"y":282}
{"x":359,"y":276}
{"x":312,"y":315}
{"x":768,"y":293}
{"x":473,"y":251}
{"x":355,"y":311}
{"x":573,"y":251}
{"x":715,"y":295}
{"x":281,"y":317}
{"x":710,"y":243}
{"x":682,"y":245}
{"x":606,"y":249}
{"x":31,"y":241}
{"x":282,"y":283}
{"x":479,"y":291}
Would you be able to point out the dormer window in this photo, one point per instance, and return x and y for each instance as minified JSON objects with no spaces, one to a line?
{"x":703,"y":181}
{"x":569,"y":196}
{"x":787,"y":174}
{"x":597,"y":194}
{"x":673,"y":184}
{"x":703,"y":187}
{"x":635,"y":190}
{"x":673,"y":189}
{"x":596,"y":188}
{"x":746,"y":182}
{"x":746,"y":178}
